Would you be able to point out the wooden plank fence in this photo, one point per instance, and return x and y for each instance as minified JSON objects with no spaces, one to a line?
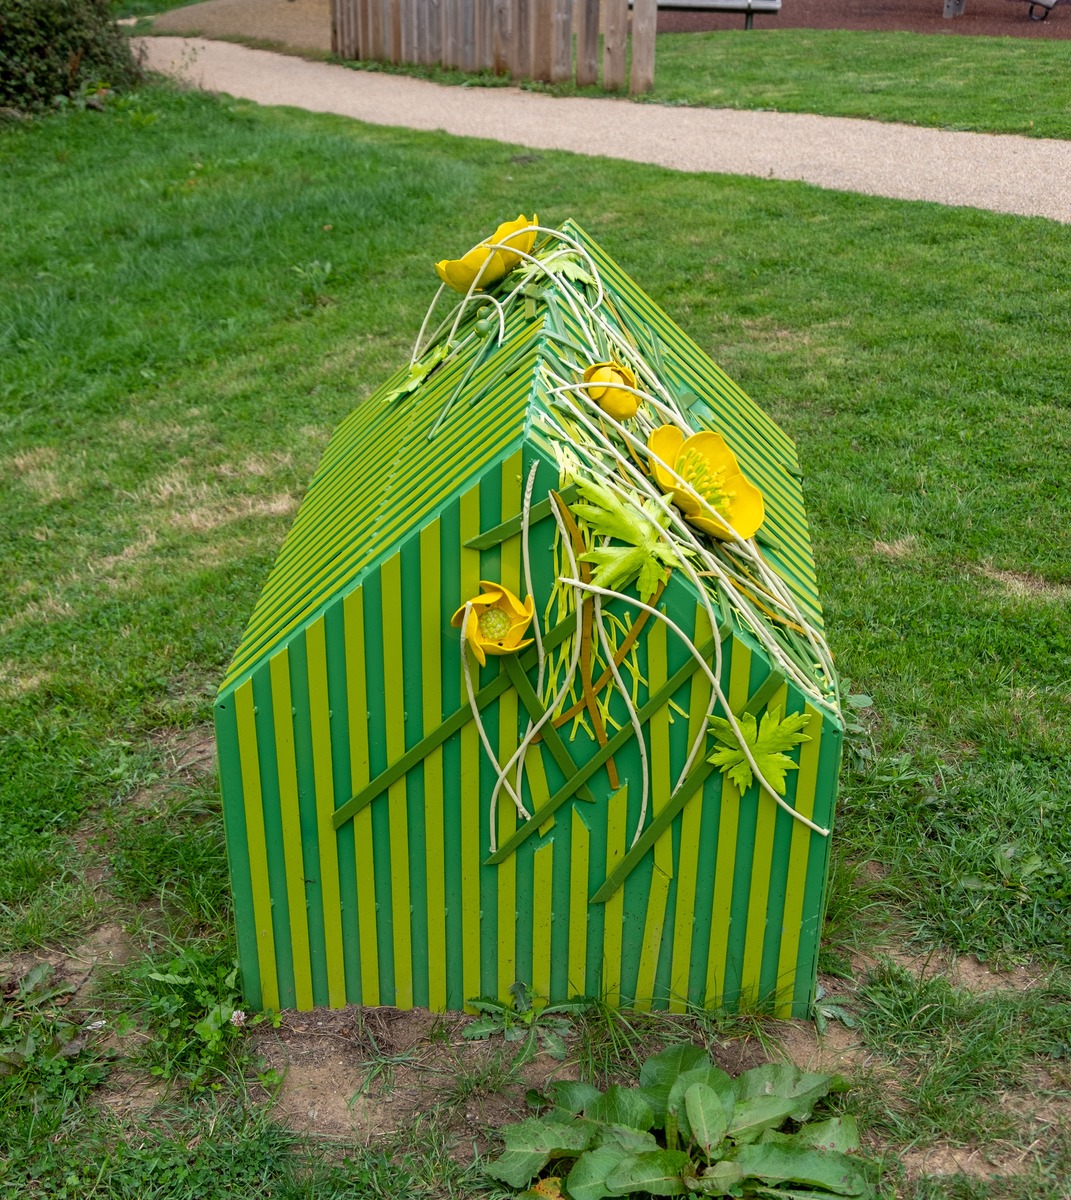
{"x":549,"y":40}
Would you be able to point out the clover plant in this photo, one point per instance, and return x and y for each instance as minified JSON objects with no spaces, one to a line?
{"x":689,"y":1129}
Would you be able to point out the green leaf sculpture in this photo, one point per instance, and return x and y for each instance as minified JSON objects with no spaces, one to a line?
{"x":767,"y":744}
{"x":645,"y":558}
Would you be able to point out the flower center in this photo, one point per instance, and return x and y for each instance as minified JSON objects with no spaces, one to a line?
{"x":707,"y":480}
{"x":493,"y":624}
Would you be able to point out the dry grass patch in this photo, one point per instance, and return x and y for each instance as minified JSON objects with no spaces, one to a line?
{"x":1026,"y":585}
{"x":900,"y":548}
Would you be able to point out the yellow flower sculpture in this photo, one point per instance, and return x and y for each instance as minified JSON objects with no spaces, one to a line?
{"x":497,"y":621}
{"x":601,"y":379}
{"x":712,"y":475}
{"x":486,"y":264}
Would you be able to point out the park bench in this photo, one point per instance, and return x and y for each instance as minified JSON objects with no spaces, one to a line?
{"x":1039,"y":9}
{"x":748,"y":7}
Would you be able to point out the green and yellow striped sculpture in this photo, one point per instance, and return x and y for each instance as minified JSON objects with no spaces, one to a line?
{"x":537,"y":689}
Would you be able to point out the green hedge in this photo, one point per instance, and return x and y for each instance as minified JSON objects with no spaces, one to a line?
{"x":51,"y":48}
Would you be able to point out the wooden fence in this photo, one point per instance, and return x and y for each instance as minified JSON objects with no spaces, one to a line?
{"x":551,"y":40}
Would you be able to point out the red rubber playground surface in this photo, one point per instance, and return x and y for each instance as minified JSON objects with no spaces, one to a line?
{"x":993,"y":18}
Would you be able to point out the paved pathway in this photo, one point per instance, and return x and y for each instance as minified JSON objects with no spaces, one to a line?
{"x":1003,"y":173}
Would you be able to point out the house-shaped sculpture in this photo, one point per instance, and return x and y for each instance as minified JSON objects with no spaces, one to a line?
{"x":408,"y":827}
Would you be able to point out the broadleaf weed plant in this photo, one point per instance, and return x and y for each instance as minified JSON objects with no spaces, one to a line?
{"x":525,"y":1019}
{"x":687,"y":1129}
{"x":191,"y":1005}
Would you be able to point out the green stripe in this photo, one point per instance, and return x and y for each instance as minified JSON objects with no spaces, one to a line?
{"x":335,"y":642}
{"x":234,"y":826}
{"x":377,"y":757}
{"x":273,"y":836}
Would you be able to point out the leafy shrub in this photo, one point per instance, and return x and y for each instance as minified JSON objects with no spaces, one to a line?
{"x":688,"y":1129}
{"x":51,"y":48}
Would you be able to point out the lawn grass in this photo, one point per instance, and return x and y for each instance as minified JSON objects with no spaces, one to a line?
{"x":199,"y":290}
{"x":992,"y":85}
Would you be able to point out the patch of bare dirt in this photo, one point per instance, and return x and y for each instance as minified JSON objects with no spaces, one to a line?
{"x":838,"y":1051}
{"x":107,"y":946}
{"x":191,"y":753}
{"x":370,"y":1073}
{"x":962,"y":971}
{"x":1044,"y":1100}
{"x":973,"y":1161}
{"x":129,"y":1096}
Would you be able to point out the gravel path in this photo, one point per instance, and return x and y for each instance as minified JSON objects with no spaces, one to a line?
{"x":1002,"y":173}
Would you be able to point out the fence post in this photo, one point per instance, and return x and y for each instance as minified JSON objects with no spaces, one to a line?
{"x":644,"y":28}
{"x":615,"y":40}
{"x":587,"y":43}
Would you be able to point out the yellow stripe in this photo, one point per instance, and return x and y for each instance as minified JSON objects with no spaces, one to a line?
{"x":258,"y":844}
{"x":542,"y":882}
{"x":691,"y":821}
{"x":470,"y":770}
{"x":799,"y":852}
{"x":578,"y":907}
{"x":616,"y":833}
{"x":662,"y":870}
{"x":728,"y":825}
{"x":323,"y":774}
{"x":357,"y":704}
{"x":394,"y":713}
{"x":507,"y":744}
{"x":759,"y":893}
{"x":434,"y":833}
{"x":282,"y":715}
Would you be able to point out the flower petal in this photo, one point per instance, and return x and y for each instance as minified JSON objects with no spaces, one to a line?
{"x":748,"y":509}
{"x":685,"y":500}
{"x":506,"y":646}
{"x":491,"y":593}
{"x":713,"y":448}
{"x":664,"y":443}
{"x":517,"y":234}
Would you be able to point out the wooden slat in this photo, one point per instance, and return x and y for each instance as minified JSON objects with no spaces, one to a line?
{"x":587,"y":42}
{"x":503,"y":13}
{"x":451,"y":54}
{"x":644,"y":27}
{"x":466,"y":35}
{"x":433,"y":16}
{"x":561,"y":49}
{"x":521,"y":51}
{"x":615,"y":39}
{"x":365,"y":28}
{"x":396,"y":12}
{"x":542,"y":31}
{"x":485,"y":34}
